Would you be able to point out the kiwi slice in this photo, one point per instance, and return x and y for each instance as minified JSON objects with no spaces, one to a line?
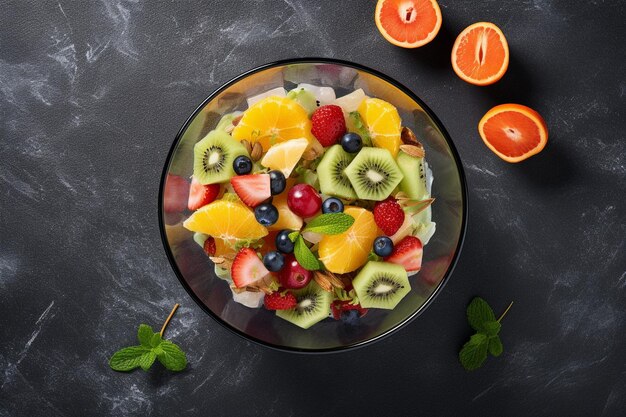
{"x":414,"y":182}
{"x":373,"y":174}
{"x":313,"y":306}
{"x":381,"y":285}
{"x":331,"y":175}
{"x":214,"y":156}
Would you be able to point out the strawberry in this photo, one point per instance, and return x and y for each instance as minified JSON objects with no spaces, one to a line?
{"x":209,"y":246}
{"x":338,"y":306}
{"x":388,"y":215}
{"x":253,"y":189}
{"x":200,"y":195}
{"x":247,"y":268}
{"x":328,"y":124}
{"x":175,"y":194}
{"x":408,"y":253}
{"x":278,"y":301}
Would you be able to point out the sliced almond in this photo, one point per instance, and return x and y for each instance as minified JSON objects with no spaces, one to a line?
{"x":247,"y":145}
{"x":237,"y":119}
{"x":311,"y":154}
{"x":217,"y":260}
{"x":238,"y":290}
{"x":257,"y":151}
{"x":322,"y":281}
{"x":412,"y":150}
{"x":337,"y":283}
{"x":408,"y":137}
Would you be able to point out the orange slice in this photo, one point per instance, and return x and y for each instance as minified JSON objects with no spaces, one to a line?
{"x":383,"y":122}
{"x":349,"y":250}
{"x":408,"y":23}
{"x":284,"y":156}
{"x":225,"y":220}
{"x":513,"y":132}
{"x":273,"y":120}
{"x":480,"y":54}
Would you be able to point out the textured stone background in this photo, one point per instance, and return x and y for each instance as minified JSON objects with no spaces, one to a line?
{"x":91,"y":97}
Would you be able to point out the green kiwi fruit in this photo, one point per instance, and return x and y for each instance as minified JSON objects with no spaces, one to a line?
{"x":373,"y":174}
{"x":214,"y":156}
{"x":313,"y":306}
{"x":381,"y":285}
{"x":414,"y":182}
{"x":331,"y":173}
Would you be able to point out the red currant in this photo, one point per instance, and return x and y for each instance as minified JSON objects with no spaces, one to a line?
{"x":304,"y":200}
{"x":293,"y":276}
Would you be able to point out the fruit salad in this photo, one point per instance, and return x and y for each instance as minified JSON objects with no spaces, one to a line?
{"x":309,"y":205}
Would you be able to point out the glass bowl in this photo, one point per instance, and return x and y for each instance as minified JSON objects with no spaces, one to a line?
{"x":195,"y":271}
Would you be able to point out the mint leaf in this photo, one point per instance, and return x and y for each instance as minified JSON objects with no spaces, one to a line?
{"x":479,"y":312}
{"x":495,"y":346}
{"x":473,"y":354}
{"x":491,"y":328}
{"x":304,"y":256}
{"x":357,"y":121}
{"x":130,"y":358}
{"x":171,"y":356}
{"x":477,"y":339}
{"x":144,"y":334}
{"x":155,"y":340}
{"x":330,"y":224}
{"x":293,"y":236}
{"x":146,"y":360}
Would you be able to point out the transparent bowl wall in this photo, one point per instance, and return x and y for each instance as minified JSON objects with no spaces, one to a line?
{"x":195,"y":270}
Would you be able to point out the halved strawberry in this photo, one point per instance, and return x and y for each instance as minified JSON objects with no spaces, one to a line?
{"x":247,"y":268}
{"x":200,"y":195}
{"x":278,"y":301}
{"x":175,"y":194}
{"x":338,"y":306}
{"x":253,"y":189}
{"x":408,"y":253}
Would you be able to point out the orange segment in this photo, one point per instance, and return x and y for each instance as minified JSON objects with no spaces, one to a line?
{"x":349,"y":250}
{"x":383,"y":122}
{"x":284,"y":156}
{"x":513,"y":132}
{"x":408,"y":23}
{"x":480,"y":54}
{"x":225,"y":220}
{"x":287,"y":219}
{"x":272,"y":120}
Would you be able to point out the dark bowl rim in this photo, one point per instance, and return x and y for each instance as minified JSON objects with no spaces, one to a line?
{"x":344,"y":348}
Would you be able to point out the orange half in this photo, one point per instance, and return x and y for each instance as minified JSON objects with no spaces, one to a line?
{"x":513,"y":132}
{"x":480,"y":54}
{"x":408,"y":23}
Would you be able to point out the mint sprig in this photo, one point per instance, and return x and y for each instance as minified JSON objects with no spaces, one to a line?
{"x":304,"y":256}
{"x":486,"y":340}
{"x":151,"y":347}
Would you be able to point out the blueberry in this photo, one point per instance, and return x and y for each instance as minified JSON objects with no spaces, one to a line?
{"x":266,"y":214}
{"x":332,"y":205}
{"x":351,"y":142}
{"x":242,"y":165}
{"x":383,"y":246}
{"x":350,"y":317}
{"x":283,"y":243}
{"x":274,"y":261}
{"x":277,"y":182}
